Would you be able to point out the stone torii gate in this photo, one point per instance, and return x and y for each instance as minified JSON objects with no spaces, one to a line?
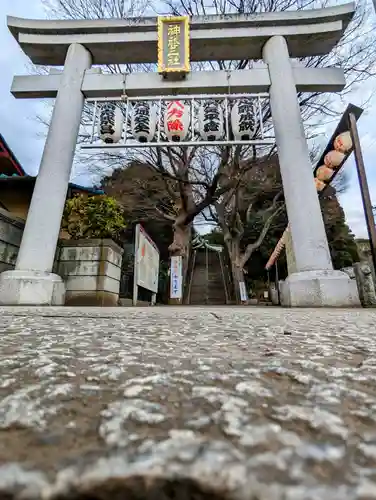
{"x":274,"y":37}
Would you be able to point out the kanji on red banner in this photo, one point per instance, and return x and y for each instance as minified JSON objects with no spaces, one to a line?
{"x":174,"y":112}
{"x":174,"y":125}
{"x":175,"y":103}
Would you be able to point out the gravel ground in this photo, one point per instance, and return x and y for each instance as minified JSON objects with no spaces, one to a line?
{"x":186,"y":403}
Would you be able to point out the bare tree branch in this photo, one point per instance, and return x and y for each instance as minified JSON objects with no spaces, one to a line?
{"x":251,"y":247}
{"x":193,"y":181}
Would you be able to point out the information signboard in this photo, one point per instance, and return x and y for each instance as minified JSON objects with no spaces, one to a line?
{"x":146,"y":270}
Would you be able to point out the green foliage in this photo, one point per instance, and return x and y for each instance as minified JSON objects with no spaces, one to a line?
{"x":342,"y":245}
{"x":215,"y":237}
{"x":93,"y":217}
{"x":140,"y":191}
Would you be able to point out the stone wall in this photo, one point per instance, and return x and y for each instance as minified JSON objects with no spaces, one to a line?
{"x":361,"y":272}
{"x":91,"y":270}
{"x":11,"y":229}
{"x":366,"y":284}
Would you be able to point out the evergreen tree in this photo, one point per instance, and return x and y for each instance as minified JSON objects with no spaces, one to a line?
{"x":342,"y":245}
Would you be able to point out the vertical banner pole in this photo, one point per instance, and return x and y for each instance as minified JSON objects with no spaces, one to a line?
{"x":207,"y":277}
{"x":277,"y":282}
{"x":135,"y":272}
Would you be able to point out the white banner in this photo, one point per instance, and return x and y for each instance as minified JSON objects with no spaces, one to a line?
{"x":176,"y":276}
{"x":243,"y":292}
{"x":147,"y":261}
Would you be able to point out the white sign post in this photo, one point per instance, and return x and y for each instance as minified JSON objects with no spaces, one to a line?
{"x":146,"y":264}
{"x":243,"y":292}
{"x":176,"y":275}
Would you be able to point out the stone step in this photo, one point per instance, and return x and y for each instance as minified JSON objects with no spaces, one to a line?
{"x":207,"y":287}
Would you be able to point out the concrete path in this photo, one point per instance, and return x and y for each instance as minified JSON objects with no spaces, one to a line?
{"x":184,"y":403}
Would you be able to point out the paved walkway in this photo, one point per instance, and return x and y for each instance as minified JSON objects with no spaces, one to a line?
{"x":187,"y":403}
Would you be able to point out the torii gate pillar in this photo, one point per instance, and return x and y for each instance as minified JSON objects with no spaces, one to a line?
{"x":32,"y":281}
{"x":314,"y":282}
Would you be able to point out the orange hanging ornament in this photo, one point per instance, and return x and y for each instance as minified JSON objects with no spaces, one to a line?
{"x":333,"y":159}
{"x":343,"y":142}
{"x":319,"y":184}
{"x":324,"y":173}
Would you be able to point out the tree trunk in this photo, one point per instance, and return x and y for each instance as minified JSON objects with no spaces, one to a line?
{"x":180,"y":243}
{"x":238,"y":275}
{"x":233,"y":247}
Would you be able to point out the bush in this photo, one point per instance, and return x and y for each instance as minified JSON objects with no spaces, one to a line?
{"x":93,"y":217}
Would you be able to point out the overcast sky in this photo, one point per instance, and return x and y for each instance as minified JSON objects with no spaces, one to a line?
{"x":23,"y":133}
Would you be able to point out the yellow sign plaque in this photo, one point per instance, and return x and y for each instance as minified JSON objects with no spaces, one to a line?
{"x":173,"y":45}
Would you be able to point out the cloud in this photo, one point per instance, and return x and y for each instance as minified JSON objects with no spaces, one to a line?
{"x":351,"y":202}
{"x":18,"y":126}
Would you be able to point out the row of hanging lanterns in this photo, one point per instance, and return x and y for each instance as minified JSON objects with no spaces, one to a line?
{"x":342,"y":144}
{"x":177,"y":120}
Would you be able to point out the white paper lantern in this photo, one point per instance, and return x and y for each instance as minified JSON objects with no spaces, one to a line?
{"x":210,"y":119}
{"x":176,"y":121}
{"x":143,"y":121}
{"x":111,"y":122}
{"x":243,"y":120}
{"x":343,"y":142}
{"x":333,"y":159}
{"x":324,"y":173}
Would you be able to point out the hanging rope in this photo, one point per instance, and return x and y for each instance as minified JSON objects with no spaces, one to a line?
{"x":124,"y":95}
{"x":228,"y":76}
{"x":278,"y":249}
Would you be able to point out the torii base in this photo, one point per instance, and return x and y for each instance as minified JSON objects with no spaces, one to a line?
{"x":31,"y":288}
{"x":319,"y":289}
